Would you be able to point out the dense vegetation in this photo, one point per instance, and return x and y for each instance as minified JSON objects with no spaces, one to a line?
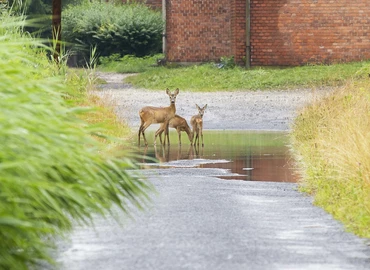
{"x":52,"y":170}
{"x":332,"y":139}
{"x":131,"y":29}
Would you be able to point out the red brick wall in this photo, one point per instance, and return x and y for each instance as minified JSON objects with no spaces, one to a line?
{"x":296,"y":32}
{"x":283,"y":32}
{"x":198,"y":30}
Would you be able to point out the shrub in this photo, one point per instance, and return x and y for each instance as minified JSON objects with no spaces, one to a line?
{"x":114,"y":29}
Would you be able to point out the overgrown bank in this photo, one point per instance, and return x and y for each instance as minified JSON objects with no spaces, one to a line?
{"x":332,"y":139}
{"x":52,"y":170}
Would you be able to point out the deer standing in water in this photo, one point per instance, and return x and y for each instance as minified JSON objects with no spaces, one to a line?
{"x":180,"y":124}
{"x":152,"y":115}
{"x":197,"y":124}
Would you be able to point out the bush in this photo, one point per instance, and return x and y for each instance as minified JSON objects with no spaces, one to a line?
{"x":51,"y":169}
{"x":114,"y":29}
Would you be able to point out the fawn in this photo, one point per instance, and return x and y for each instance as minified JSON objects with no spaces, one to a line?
{"x":197,"y":124}
{"x":180,"y":124}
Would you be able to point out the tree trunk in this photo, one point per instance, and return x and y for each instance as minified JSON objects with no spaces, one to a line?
{"x":57,"y":28}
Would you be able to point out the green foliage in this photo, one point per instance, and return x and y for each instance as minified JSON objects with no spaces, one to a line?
{"x":39,"y":11}
{"x":209,"y":77}
{"x":37,"y":7}
{"x":128,"y":63}
{"x":52,"y":171}
{"x":114,"y":29}
{"x":226,"y":62}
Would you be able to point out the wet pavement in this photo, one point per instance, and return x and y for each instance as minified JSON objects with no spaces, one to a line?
{"x":198,"y":221}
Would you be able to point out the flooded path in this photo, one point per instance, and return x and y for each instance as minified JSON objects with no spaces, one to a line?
{"x":246,"y":155}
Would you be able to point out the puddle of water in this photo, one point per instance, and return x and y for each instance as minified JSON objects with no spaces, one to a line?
{"x":248,"y":155}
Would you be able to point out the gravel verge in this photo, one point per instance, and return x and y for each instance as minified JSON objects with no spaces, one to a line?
{"x":244,"y":110}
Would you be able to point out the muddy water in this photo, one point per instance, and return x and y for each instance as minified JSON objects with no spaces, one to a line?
{"x":247,"y":155}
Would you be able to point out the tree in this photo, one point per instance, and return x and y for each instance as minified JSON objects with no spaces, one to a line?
{"x":57,"y":28}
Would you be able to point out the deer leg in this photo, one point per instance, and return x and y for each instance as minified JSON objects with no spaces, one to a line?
{"x":140,"y":131}
{"x":179,"y":132}
{"x":138,"y":136}
{"x":160,"y":137}
{"x":201,"y":134}
{"x":155,"y":136}
{"x":145,"y":126}
{"x":165,"y":128}
{"x":145,"y":141}
{"x":196,"y":138}
{"x":168,"y":133}
{"x":159,"y":132}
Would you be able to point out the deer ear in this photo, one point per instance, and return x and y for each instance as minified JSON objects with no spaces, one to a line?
{"x":197,"y":106}
{"x":205,"y":106}
{"x":167,"y":91}
{"x":176,"y":91}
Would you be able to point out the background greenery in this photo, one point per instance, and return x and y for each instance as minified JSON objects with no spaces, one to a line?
{"x":132,"y":29}
{"x":128,"y":63}
{"x":52,"y":169}
{"x":38,"y":7}
{"x":210,"y":77}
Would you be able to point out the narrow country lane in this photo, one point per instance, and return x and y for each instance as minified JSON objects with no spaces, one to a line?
{"x":198,"y":221}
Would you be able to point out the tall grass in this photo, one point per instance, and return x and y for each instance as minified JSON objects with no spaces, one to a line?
{"x":332,"y":137}
{"x":51,"y":169}
{"x":209,"y":77}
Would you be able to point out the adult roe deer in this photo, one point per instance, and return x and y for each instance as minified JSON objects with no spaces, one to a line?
{"x":197,"y":124}
{"x":162,"y":115}
{"x":180,"y":124}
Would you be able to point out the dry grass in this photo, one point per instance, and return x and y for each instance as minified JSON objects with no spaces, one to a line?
{"x":332,"y":138}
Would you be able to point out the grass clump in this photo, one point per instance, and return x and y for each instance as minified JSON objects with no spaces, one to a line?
{"x":209,"y":77}
{"x":332,"y":138}
{"x":52,"y":170}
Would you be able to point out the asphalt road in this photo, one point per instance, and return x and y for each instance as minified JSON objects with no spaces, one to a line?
{"x":198,"y":221}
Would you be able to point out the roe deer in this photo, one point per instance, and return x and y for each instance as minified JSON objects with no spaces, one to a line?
{"x":197,"y":124}
{"x":180,"y":124}
{"x":152,"y":115}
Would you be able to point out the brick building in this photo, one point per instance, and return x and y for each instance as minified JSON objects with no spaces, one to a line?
{"x":266,"y":32}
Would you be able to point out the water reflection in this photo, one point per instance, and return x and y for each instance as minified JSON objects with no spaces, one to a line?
{"x":252,"y":156}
